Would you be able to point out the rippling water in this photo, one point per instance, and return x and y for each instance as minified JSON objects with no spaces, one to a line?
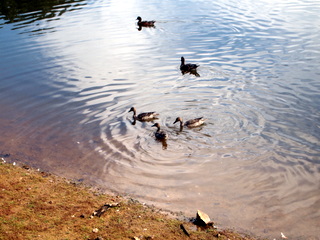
{"x":70,"y":72}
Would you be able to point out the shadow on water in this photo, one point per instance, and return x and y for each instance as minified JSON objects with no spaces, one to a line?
{"x":140,"y":27}
{"x":67,"y":85}
{"x":24,"y":13}
{"x":192,"y":72}
{"x":164,"y":144}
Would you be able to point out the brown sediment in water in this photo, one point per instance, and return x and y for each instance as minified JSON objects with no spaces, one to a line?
{"x":38,"y":205}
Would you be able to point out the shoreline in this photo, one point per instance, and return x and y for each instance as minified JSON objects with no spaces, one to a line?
{"x":41,"y":205}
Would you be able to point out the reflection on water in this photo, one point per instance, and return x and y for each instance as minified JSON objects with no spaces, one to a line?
{"x":65,"y":96}
{"x":24,"y":13}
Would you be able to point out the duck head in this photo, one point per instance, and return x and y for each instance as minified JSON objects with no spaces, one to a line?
{"x":182,"y":60}
{"x":132,"y":110}
{"x":178,"y":119}
{"x":157,"y":125}
{"x":139,"y":19}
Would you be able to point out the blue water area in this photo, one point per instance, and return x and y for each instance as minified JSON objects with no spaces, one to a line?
{"x":71,"y":70}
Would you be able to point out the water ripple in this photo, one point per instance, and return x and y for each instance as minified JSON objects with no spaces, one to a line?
{"x":68,"y":84}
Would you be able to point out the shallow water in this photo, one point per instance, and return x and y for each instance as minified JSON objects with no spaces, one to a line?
{"x":71,"y":72}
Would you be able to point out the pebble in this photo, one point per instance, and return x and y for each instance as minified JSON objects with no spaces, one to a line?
{"x":203,"y":217}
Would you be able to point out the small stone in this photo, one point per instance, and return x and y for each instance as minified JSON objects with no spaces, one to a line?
{"x":99,"y":238}
{"x":95,"y":230}
{"x":203,"y":218}
{"x":283,"y":236}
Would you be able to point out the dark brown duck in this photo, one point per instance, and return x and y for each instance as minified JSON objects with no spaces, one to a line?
{"x":145,"y":23}
{"x":146,"y":116}
{"x":190,"y":123}
{"x":160,"y":134}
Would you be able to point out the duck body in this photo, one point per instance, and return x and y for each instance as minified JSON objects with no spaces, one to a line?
{"x":147,"y":116}
{"x":190,"y":123}
{"x":160,"y":134}
{"x":145,"y":23}
{"x":187,"y":67}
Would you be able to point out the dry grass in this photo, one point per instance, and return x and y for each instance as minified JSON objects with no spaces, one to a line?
{"x":40,"y":206}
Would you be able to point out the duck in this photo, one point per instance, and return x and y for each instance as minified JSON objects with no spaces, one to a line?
{"x":187,"y":67}
{"x":190,"y":123}
{"x":160,"y":134}
{"x":145,"y":23}
{"x":147,"y":116}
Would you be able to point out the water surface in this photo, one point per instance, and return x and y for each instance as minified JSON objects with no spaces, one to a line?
{"x":71,"y":71}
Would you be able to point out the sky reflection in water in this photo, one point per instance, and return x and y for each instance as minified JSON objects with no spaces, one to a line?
{"x":70,"y":73}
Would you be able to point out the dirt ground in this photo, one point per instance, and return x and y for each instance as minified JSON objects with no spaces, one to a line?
{"x":37,"y":205}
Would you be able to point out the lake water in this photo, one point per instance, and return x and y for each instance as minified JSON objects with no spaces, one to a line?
{"x":70,"y":73}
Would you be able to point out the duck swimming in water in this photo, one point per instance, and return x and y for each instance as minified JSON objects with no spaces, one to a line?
{"x":190,"y":123}
{"x":147,"y":116}
{"x":160,"y":134}
{"x":145,"y":23}
{"x":188,"y":68}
